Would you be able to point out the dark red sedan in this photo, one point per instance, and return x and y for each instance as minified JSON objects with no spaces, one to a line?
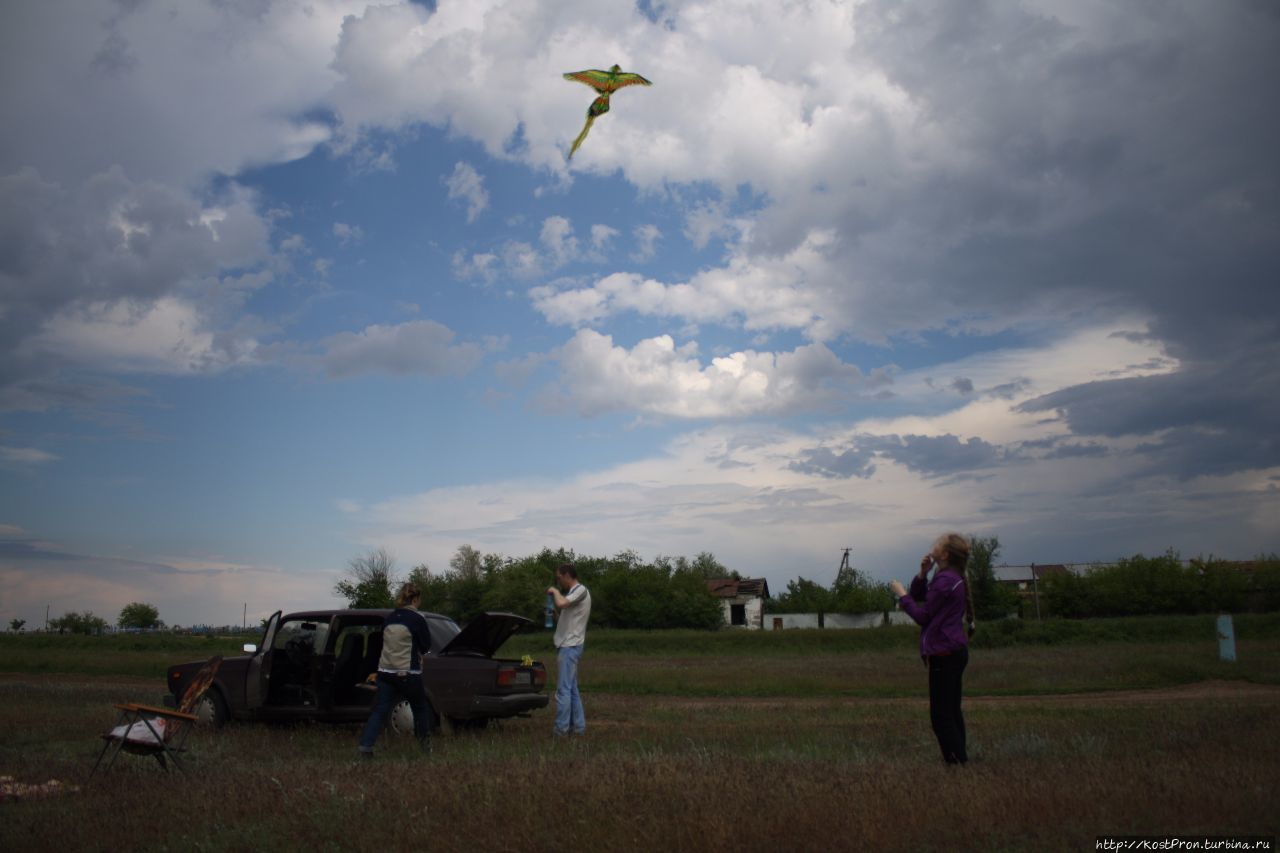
{"x":315,"y":665}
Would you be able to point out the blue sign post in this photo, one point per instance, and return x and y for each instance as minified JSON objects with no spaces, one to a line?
{"x":1226,"y":638}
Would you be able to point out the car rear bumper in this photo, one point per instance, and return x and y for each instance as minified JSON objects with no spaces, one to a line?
{"x":508,"y":706}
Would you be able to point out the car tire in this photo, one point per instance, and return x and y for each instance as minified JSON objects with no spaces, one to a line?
{"x":401,"y":720}
{"x":211,"y":710}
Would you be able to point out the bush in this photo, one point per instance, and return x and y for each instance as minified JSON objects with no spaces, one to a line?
{"x":1145,"y":586}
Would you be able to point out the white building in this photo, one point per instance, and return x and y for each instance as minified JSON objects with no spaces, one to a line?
{"x":742,"y":600}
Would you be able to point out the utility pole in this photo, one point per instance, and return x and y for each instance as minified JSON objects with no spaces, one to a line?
{"x":46,"y":618}
{"x":244,"y":617}
{"x":845,"y":572}
{"x":1035,"y":589}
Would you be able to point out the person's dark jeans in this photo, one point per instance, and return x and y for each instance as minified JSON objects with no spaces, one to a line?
{"x":945,"y":675}
{"x":391,"y":689}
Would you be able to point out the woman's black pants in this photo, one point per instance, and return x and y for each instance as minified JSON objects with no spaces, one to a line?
{"x":945,"y":675}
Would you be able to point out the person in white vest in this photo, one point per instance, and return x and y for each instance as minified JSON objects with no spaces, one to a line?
{"x":574,"y":605}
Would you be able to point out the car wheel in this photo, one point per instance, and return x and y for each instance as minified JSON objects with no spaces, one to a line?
{"x":211,"y":710}
{"x":401,"y":722}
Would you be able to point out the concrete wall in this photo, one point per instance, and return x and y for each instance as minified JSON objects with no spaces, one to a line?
{"x":791,"y":620}
{"x":837,"y":621}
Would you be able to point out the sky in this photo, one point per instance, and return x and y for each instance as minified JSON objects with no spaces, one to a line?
{"x":283,"y":282}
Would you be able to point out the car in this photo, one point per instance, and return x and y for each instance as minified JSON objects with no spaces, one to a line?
{"x":316,"y":665}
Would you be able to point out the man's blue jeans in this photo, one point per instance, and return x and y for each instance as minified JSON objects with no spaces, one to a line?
{"x":569,"y":716}
{"x":391,"y":689}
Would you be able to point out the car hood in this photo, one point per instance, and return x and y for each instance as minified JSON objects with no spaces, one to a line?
{"x":484,"y":634}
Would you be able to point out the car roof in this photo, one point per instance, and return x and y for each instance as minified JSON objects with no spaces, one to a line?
{"x":325,"y":615}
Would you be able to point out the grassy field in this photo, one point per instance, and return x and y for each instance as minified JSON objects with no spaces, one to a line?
{"x":715,"y":742}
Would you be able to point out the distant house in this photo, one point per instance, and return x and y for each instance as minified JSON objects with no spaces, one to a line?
{"x":1025,"y":580}
{"x":742,"y":600}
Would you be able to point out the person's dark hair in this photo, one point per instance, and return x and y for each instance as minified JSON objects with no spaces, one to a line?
{"x":568,"y":569}
{"x":409,"y":594}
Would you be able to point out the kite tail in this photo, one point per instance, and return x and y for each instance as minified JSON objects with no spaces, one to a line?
{"x":581,"y":136}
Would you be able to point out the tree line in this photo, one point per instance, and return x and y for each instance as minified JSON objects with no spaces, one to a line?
{"x":626,"y":591}
{"x":136,"y":615}
{"x":855,"y":591}
{"x":671,"y":592}
{"x":1145,"y":586}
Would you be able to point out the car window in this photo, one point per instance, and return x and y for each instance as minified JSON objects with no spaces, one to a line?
{"x":295,"y":629}
{"x":354,"y":634}
{"x":442,"y":631}
{"x":322,"y":635}
{"x":355,"y":630}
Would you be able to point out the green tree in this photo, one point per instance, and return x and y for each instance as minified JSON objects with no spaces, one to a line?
{"x":1266,"y":581}
{"x":370,"y":582}
{"x":78,"y":623}
{"x":1141,"y":585}
{"x":139,"y":615}
{"x":991,"y":600}
{"x":467,"y":562}
{"x":16,"y":624}
{"x":629,"y":593}
{"x":856,"y":592}
{"x":802,"y":596}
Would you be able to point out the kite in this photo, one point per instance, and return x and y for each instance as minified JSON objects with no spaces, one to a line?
{"x":605,"y":83}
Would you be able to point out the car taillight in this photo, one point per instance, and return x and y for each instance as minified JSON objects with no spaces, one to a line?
{"x":539,"y":677}
{"x":514,"y":676}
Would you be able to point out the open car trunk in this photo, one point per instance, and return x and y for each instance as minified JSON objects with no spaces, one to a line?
{"x":484,"y":635}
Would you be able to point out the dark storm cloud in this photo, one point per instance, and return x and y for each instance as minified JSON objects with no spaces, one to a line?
{"x":825,"y":462}
{"x":1213,"y":417}
{"x":935,"y":456}
{"x":1077,"y":451}
{"x":930,"y":456}
{"x":1119,"y":161}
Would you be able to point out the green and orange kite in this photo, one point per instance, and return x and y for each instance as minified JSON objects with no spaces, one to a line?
{"x":605,"y":83}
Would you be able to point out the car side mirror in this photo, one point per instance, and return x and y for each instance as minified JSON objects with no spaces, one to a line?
{"x":250,"y":648}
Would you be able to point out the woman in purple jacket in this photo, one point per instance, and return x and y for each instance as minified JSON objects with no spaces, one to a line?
{"x":942,"y":607}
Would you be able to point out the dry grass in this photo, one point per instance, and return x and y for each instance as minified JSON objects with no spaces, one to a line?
{"x":771,"y":771}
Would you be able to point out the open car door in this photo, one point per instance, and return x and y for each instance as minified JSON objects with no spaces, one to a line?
{"x":256,"y":679}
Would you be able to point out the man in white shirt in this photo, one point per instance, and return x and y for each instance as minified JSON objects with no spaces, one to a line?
{"x":571,"y":632}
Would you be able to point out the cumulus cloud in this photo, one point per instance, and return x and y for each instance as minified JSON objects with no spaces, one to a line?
{"x":347,"y":234}
{"x":601,"y":236}
{"x":202,"y":88}
{"x":913,"y":145}
{"x":657,"y":377}
{"x":763,"y":294}
{"x":557,"y":246}
{"x":422,"y":347}
{"x":167,"y":336}
{"x":465,"y":184}
{"x":124,"y":275}
{"x":647,"y":237}
{"x":558,"y":239}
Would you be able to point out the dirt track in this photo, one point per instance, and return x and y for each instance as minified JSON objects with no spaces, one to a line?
{"x":1233,"y":691}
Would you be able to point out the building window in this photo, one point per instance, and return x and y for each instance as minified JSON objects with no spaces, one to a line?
{"x":737,"y":614}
